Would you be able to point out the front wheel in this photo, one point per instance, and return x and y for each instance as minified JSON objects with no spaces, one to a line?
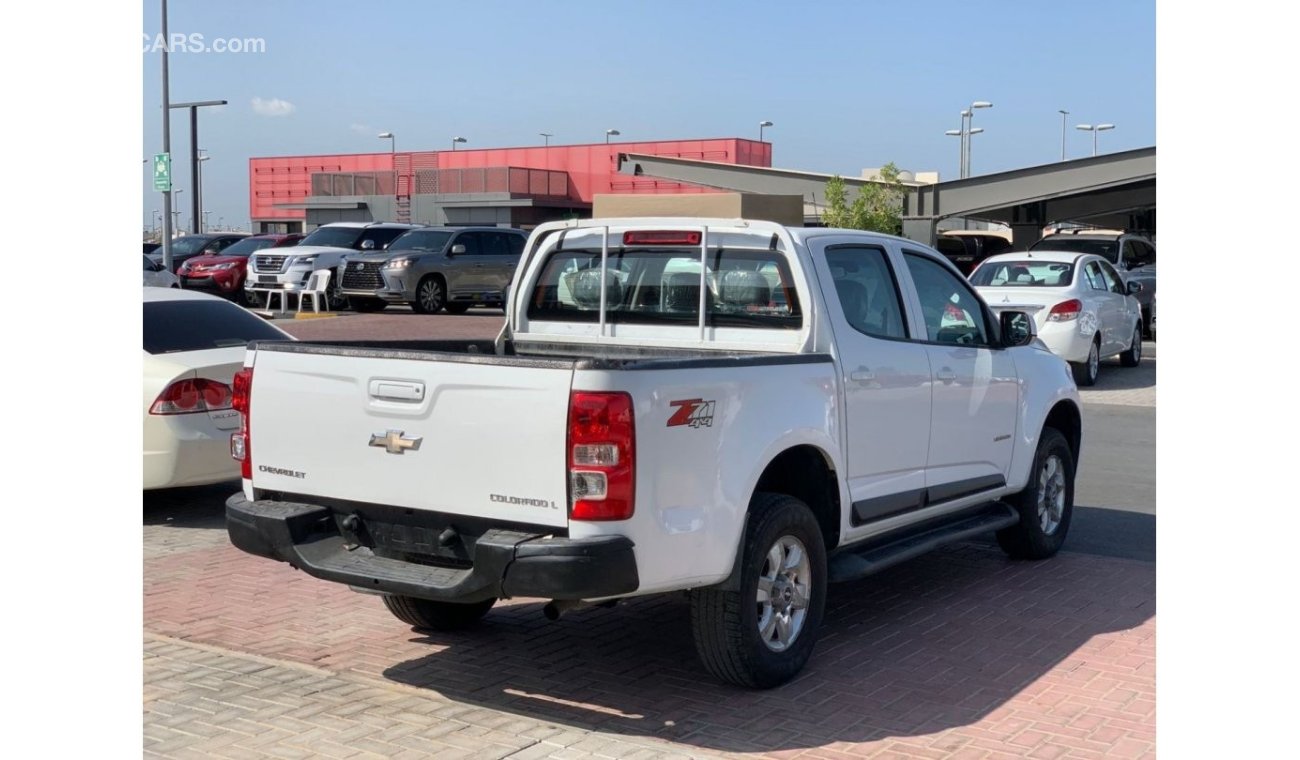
{"x":437,"y":616}
{"x":1047,"y":503}
{"x":1133,"y":356}
{"x":430,"y":296}
{"x":334,"y":292}
{"x":1085,"y":372}
{"x":761,"y":633}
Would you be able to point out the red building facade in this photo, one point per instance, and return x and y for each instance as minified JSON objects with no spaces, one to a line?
{"x":277,"y":182}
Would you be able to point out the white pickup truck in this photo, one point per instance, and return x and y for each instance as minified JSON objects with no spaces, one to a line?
{"x":734,"y":409}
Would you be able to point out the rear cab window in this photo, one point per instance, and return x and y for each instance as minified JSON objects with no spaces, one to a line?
{"x":745,"y":288}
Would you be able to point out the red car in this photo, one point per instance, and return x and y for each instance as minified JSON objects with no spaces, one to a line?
{"x":223,"y":273}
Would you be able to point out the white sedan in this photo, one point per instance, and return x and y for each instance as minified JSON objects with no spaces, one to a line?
{"x":193,"y":345}
{"x":1080,"y":304}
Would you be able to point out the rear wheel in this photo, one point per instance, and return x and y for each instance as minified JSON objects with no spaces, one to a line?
{"x":1085,"y":372}
{"x":761,"y":633}
{"x":367,"y":305}
{"x":437,"y":616}
{"x":457,"y":308}
{"x":430,"y":295}
{"x":1047,"y":503}
{"x":1133,"y":356}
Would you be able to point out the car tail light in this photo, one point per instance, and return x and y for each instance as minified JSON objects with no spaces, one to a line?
{"x":192,"y":395}
{"x":241,"y":443}
{"x":1065,"y":311}
{"x":661,"y":237}
{"x":602,"y":456}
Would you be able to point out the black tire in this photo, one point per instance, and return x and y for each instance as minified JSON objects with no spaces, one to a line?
{"x":430,"y":295}
{"x":368,"y":305}
{"x":726,"y":621}
{"x":1029,"y":539}
{"x":1085,"y":372}
{"x":457,"y":308}
{"x":437,"y":616}
{"x":334,"y":297}
{"x":1133,"y":356}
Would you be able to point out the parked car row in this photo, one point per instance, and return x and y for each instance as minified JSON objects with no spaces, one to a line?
{"x":373,"y":265}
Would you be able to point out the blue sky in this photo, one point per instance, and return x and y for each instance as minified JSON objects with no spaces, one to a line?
{"x":848,"y":85}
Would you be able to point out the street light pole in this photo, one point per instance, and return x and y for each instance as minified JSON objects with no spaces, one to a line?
{"x":762,"y":124}
{"x":547,"y":137}
{"x":961,"y":152}
{"x":609,"y":132}
{"x":970,"y":120}
{"x":1064,"y":114}
{"x":194,"y":151}
{"x":455,"y":140}
{"x":1094,"y":129}
{"x":200,"y":190}
{"x":166,"y":148}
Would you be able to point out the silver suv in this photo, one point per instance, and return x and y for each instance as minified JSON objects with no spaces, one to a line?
{"x":433,"y":268}
{"x":1133,"y":254}
{"x":326,"y":247}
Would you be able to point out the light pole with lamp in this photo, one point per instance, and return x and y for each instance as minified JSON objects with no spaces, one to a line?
{"x":761,"y":125}
{"x":392,"y":150}
{"x":968,"y":119}
{"x":205,"y":218}
{"x":202,"y":229}
{"x":611,"y":132}
{"x":195,"y":196}
{"x":455,"y":140}
{"x":1094,"y":129}
{"x":1063,"y":114}
{"x":547,"y":137}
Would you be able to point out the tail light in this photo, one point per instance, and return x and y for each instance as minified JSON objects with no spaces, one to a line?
{"x":661,"y":237}
{"x":241,"y":443}
{"x":602,"y":456}
{"x":1065,"y":311}
{"x":192,"y":395}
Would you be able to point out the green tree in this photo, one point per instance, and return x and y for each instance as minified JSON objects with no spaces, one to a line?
{"x":878,"y":206}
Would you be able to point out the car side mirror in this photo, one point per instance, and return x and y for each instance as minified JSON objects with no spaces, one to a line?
{"x":1134,"y":288}
{"x":367,"y":245}
{"x":1018,"y":329}
{"x":457,"y":248}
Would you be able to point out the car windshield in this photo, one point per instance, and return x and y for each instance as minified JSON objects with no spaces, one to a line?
{"x":188,"y":245}
{"x":420,"y":240}
{"x":1107,"y":248}
{"x":333,"y":237}
{"x":172,"y":326}
{"x":1026,"y":273}
{"x":247,"y":246}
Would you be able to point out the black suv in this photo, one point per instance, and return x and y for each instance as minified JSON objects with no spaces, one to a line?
{"x":1132,"y":253}
{"x":967,"y":251}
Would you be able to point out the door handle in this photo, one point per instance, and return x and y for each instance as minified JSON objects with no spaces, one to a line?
{"x":946,"y":375}
{"x":862,"y":375}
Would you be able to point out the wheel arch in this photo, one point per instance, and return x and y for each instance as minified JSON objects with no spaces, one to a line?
{"x":807,"y":473}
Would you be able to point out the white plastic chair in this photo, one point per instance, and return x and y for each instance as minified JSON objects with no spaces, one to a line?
{"x":269,"y":295}
{"x":315,"y":289}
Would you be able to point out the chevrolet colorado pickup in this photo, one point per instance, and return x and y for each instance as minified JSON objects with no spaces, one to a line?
{"x":734,"y":409}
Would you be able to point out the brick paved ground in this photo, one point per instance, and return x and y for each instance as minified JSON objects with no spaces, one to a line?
{"x":960,"y":654}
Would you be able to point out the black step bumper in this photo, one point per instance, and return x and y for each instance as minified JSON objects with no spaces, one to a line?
{"x":506,"y":563}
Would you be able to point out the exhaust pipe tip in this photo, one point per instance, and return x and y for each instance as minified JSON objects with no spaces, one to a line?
{"x":552,"y":611}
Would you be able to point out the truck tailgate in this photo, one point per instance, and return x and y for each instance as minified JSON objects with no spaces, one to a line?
{"x":482,"y":436}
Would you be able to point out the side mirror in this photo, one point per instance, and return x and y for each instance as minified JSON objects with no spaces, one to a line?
{"x":1018,"y":329}
{"x":1134,"y":288}
{"x":457,"y":248}
{"x":367,"y":245}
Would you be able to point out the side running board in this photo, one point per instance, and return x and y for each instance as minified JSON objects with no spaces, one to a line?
{"x":852,"y":564}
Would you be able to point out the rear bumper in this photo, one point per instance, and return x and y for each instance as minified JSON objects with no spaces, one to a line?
{"x":506,"y":563}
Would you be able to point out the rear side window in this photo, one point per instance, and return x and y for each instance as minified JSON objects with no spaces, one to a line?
{"x":867,"y":291}
{"x":741,"y":288}
{"x":1143,"y":255}
{"x":171,"y":326}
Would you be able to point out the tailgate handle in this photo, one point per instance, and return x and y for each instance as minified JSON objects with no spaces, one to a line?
{"x":397,"y":390}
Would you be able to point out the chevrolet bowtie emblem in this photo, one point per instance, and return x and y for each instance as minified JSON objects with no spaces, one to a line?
{"x":395,"y":442}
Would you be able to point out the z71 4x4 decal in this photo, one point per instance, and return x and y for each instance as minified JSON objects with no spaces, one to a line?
{"x":695,"y":412}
